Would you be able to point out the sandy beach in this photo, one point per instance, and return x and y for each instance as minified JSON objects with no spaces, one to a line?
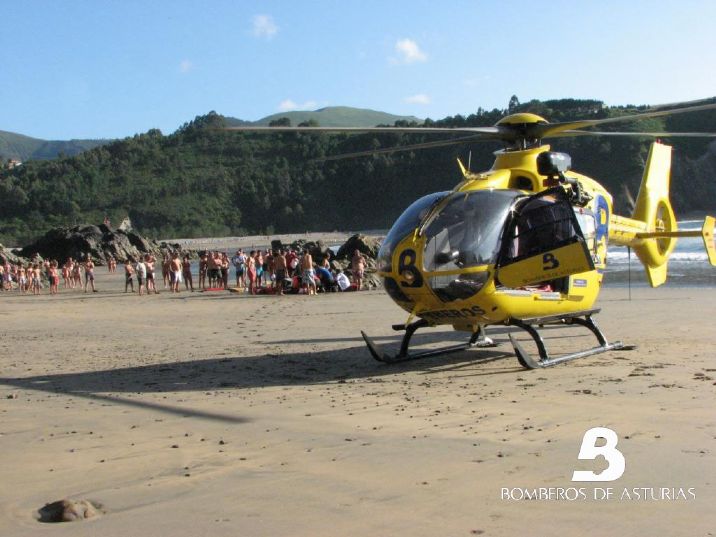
{"x":221,"y":414}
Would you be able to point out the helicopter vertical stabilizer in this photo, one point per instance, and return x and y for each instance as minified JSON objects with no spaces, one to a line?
{"x":654,"y":209}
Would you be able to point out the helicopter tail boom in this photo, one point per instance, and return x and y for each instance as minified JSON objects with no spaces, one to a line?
{"x":652,"y":229}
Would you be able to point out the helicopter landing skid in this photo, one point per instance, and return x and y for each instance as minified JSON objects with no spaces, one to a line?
{"x":545,"y":360}
{"x":477,"y":339}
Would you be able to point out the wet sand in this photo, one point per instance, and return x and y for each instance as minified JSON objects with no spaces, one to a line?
{"x":221,"y":414}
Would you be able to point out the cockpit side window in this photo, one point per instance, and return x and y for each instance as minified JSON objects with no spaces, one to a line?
{"x":411,"y":218}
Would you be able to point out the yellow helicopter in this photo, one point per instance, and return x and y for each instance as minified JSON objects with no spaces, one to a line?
{"x":523,"y":244}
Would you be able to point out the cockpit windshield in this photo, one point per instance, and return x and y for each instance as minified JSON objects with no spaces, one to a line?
{"x":466,"y":231}
{"x":407,"y":222}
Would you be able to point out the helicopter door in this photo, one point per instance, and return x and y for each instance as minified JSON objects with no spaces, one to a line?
{"x":543,"y":242}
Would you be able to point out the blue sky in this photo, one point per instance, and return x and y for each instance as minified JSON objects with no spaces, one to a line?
{"x":112,"y":68}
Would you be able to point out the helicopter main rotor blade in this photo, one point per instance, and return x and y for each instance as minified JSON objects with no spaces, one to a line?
{"x":565,"y":134}
{"x":411,"y":147}
{"x":550,"y":129}
{"x":490,"y":132}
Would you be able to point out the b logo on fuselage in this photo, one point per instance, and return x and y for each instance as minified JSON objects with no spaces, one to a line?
{"x":550,"y":262}
{"x":406,"y":263}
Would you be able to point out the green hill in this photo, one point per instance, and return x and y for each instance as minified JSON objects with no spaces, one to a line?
{"x":23,"y":148}
{"x":340,"y":116}
{"x":206,"y":181}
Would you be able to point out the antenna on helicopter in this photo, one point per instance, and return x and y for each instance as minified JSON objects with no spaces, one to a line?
{"x":469,"y":159}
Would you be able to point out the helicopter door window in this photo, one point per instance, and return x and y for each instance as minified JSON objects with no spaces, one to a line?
{"x":540,"y":225}
{"x":544,"y":242}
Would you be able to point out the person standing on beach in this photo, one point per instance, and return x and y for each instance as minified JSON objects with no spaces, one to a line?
{"x":128,"y":275}
{"x":291,"y":262}
{"x":308,"y":273}
{"x":165,"y":269}
{"x":358,"y":266}
{"x":175,"y":268}
{"x":213,"y":268}
{"x":239,"y":262}
{"x":141,"y":269}
{"x":186,"y":273}
{"x":54,"y":278}
{"x":36,"y":284}
{"x":66,"y":273}
{"x":149,"y":261}
{"x":224,"y":270}
{"x":259,"y":264}
{"x":76,"y":274}
{"x":203,"y":267}
{"x":269,"y":268}
{"x":251,"y":271}
{"x":89,"y":273}
{"x":279,"y":264}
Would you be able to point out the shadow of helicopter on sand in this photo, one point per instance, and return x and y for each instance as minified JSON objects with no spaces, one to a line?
{"x":257,"y":371}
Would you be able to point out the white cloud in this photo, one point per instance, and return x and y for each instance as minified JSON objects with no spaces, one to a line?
{"x":409,"y":51}
{"x":185,"y":66}
{"x":420,"y":98}
{"x":289,"y":104}
{"x":264,"y":26}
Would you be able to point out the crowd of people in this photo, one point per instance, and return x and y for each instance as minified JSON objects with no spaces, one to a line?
{"x":33,"y":276}
{"x":280,"y":271}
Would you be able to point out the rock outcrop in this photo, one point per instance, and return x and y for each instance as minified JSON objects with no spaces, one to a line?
{"x":99,"y":242}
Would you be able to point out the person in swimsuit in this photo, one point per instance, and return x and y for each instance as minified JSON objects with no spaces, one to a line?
{"x":175,"y":271}
{"x":54,"y":278}
{"x":308,"y":273}
{"x":239,"y":261}
{"x":128,"y":275}
{"x":165,"y":270}
{"x":251,"y":271}
{"x":358,"y":266}
{"x":203,"y":264}
{"x":279,"y":265}
{"x":259,"y":266}
{"x":36,"y":285}
{"x":186,"y":272}
{"x":149,"y":261}
{"x":141,"y":271}
{"x":22,"y":279}
{"x":89,"y":274}
{"x":224,"y":269}
{"x":77,"y":274}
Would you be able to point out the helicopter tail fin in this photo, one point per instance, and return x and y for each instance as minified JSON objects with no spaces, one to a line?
{"x":653,"y":207}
